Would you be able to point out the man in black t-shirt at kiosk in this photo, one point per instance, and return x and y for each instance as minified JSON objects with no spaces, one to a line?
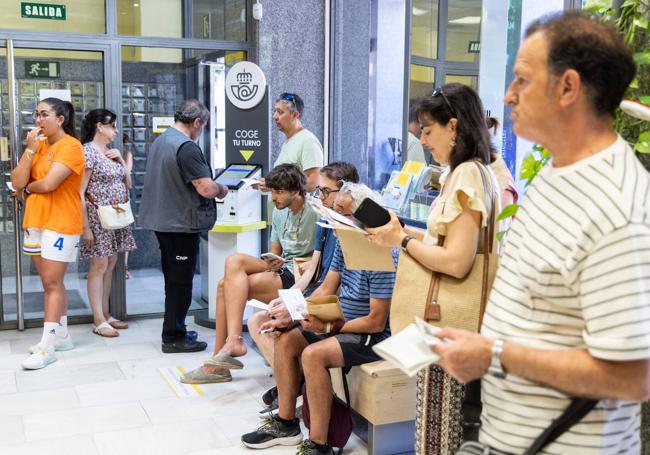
{"x":178,"y":204}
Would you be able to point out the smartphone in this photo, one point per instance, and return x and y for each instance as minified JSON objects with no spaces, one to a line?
{"x":272,"y":256}
{"x":371,"y":214}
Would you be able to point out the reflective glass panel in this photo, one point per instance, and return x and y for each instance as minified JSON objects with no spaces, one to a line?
{"x":154,"y":82}
{"x":143,"y":18}
{"x":219,"y":20}
{"x":81,"y":16}
{"x":422,"y":78}
{"x":425,"y":28}
{"x":472,"y":81}
{"x":463,"y":30}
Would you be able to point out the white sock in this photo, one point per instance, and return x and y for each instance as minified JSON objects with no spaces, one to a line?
{"x":49,"y":332}
{"x":62,"y":328}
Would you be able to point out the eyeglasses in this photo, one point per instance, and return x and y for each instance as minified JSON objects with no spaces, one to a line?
{"x":439,"y":91}
{"x":325,"y":192}
{"x":43,"y":115}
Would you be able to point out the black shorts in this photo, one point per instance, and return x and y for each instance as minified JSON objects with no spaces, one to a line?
{"x":287,"y":277}
{"x":356,"y":347}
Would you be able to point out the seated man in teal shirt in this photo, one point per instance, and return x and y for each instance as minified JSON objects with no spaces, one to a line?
{"x":248,"y":277}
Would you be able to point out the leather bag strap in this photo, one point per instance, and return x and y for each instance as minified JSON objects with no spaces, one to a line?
{"x":488,"y":239}
{"x":432,"y":308}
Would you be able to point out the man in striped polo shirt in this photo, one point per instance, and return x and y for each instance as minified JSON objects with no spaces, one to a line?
{"x":569,"y":311}
{"x":365,"y":301}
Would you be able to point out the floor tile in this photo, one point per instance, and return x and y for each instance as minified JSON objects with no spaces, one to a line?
{"x":124,"y":391}
{"x":20,"y":404}
{"x":11,"y":431}
{"x":170,"y":439}
{"x":76,"y":445}
{"x":5,"y":347}
{"x":113,"y":352}
{"x":7,"y":382}
{"x":67,"y":376}
{"x":86,"y":420}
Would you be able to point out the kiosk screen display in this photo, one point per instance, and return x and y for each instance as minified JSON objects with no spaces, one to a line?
{"x":233,"y":174}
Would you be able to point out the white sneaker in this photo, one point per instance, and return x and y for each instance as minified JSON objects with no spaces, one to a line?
{"x":60,"y":344}
{"x":40,"y":359}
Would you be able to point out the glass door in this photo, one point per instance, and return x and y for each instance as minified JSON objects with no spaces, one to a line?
{"x":27,"y":74}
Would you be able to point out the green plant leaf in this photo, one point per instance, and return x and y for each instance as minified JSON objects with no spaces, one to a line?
{"x":501,"y":234}
{"x":528,"y":170}
{"x":635,"y":83}
{"x":645,"y":100}
{"x":546,"y":155}
{"x":641,"y":21}
{"x":508,"y":211}
{"x":642,"y":58}
{"x":643,"y":144}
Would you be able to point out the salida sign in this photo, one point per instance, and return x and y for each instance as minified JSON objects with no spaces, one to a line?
{"x":247,"y":115}
{"x":42,"y":11}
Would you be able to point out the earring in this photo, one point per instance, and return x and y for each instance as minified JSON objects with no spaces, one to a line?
{"x":452,"y":144}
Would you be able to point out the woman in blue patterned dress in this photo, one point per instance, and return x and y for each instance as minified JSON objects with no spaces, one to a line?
{"x":106,"y":181}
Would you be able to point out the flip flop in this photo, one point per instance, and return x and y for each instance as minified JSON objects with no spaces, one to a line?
{"x":117,"y":324}
{"x":223,"y":360}
{"x":105,"y":330}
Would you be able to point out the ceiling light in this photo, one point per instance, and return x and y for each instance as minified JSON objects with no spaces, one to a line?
{"x":467,"y":20}
{"x":418,"y":11}
{"x":136,"y":4}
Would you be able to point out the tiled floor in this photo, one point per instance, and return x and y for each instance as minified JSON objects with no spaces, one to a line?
{"x":106,"y":397}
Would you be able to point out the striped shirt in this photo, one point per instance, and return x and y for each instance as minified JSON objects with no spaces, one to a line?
{"x":359,"y":286}
{"x":575,"y":273}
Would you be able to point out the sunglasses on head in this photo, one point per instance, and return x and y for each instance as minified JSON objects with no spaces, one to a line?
{"x":290,"y":97}
{"x":439,"y":91}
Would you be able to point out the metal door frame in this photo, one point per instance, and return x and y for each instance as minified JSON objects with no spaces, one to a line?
{"x":15,"y":149}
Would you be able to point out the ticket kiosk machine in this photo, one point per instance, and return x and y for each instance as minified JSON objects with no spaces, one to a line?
{"x":238,"y":227}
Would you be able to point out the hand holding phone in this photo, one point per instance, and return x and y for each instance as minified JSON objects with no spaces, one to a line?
{"x":371,"y":214}
{"x":272,"y":257}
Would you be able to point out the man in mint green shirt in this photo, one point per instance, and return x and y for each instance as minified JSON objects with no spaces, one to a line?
{"x":301,"y":148}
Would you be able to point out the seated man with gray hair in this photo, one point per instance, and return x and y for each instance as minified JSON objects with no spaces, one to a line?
{"x":365,"y":300}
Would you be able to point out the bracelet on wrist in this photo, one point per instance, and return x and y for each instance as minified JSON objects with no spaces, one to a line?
{"x":30,"y":152}
{"x":26,"y":191}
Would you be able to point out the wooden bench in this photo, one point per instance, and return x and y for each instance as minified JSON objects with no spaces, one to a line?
{"x":385,"y":397}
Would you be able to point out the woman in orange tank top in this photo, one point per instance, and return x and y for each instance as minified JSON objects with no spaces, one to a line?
{"x":48,"y":176}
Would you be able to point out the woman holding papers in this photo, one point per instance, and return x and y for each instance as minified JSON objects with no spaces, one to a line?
{"x":455,"y":132}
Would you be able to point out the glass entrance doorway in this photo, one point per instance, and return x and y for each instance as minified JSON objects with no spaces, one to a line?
{"x":152,"y":83}
{"x":28,"y":74}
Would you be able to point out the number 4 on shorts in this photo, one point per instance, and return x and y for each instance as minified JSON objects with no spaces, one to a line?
{"x":59,"y":243}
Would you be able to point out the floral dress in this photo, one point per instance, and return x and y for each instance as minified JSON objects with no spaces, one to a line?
{"x":105,"y":187}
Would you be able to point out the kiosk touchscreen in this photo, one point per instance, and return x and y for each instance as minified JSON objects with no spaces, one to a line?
{"x":232,"y":175}
{"x":242,"y":204}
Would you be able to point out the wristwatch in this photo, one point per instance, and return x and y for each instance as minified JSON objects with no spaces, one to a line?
{"x":30,"y":152}
{"x":496,"y":367}
{"x":405,"y":241}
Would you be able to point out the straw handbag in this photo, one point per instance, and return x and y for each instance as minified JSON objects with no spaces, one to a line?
{"x":443,"y":300}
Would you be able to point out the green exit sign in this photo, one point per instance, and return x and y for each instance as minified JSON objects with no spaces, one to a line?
{"x":42,"y":11}
{"x":474,"y":47}
{"x":41,"y":68}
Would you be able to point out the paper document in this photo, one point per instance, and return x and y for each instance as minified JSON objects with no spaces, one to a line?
{"x":326,"y":308}
{"x":410,"y":349}
{"x":254,"y":303}
{"x":249,"y":182}
{"x":295,"y":302}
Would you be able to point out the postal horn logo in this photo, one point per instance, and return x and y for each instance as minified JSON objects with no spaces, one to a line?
{"x":245,"y":85}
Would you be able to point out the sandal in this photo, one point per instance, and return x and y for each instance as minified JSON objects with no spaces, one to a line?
{"x":105,"y":330}
{"x":117,"y":324}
